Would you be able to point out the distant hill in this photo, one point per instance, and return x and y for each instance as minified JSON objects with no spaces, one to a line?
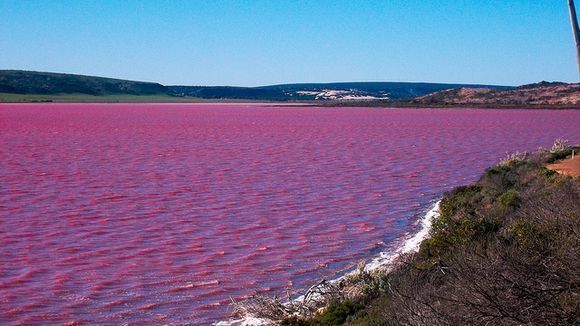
{"x":226,"y":92}
{"x":543,"y":93}
{"x":365,"y":90}
{"x":320,"y":91}
{"x":33,"y":83}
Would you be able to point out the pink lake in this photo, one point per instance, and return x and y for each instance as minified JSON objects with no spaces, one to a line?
{"x":159,"y":214}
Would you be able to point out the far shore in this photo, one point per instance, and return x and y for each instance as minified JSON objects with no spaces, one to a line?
{"x":165,"y":99}
{"x":12,"y":98}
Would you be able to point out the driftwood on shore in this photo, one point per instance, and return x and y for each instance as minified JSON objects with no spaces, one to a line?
{"x":352,"y":286}
{"x":275,"y":308}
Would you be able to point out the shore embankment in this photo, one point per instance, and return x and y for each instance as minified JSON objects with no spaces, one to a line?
{"x":503,"y":250}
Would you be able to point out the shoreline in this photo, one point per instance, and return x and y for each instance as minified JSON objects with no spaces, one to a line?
{"x":306,"y":104}
{"x":384,"y":263}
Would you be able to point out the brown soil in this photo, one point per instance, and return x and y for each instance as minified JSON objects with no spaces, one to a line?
{"x":569,"y":166}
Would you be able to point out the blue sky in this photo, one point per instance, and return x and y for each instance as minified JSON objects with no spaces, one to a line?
{"x":267,"y":42}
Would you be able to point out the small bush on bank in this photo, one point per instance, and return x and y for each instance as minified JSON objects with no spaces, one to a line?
{"x":560,"y":145}
{"x":560,"y":150}
{"x":563,"y":154}
{"x":337,"y":313}
{"x":509,"y":199}
{"x":513,"y":158}
{"x":534,"y":240}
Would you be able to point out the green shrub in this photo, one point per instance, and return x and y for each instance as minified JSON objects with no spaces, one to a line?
{"x":547,"y":172}
{"x":521,"y":230}
{"x":562,"y":154}
{"x":498,"y":170}
{"x":500,"y":178}
{"x":534,"y":240}
{"x":461,"y":198}
{"x":509,"y":199}
{"x":569,"y":302}
{"x":337,"y":313}
{"x":459,"y":220}
{"x":372,"y":315}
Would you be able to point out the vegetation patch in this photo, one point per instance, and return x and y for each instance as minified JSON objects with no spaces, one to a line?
{"x":509,"y":199}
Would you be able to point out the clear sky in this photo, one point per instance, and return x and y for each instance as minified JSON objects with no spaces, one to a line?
{"x":267,"y":42}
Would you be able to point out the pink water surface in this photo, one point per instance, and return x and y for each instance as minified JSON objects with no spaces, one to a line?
{"x":159,"y":214}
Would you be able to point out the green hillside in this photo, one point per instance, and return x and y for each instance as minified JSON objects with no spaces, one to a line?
{"x":27,"y":86}
{"x":32,"y":82}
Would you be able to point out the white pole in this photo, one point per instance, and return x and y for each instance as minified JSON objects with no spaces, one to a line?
{"x":575,"y":30}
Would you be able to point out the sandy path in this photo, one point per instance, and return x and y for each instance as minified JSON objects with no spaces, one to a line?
{"x":569,"y":166}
